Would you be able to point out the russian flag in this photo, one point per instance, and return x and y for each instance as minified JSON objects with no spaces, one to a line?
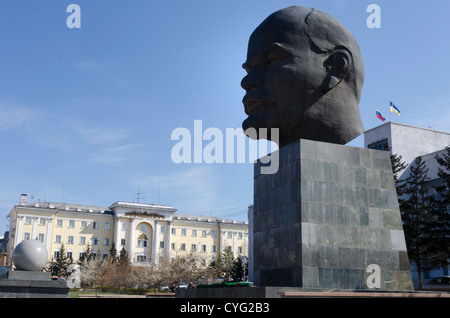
{"x":379,"y":116}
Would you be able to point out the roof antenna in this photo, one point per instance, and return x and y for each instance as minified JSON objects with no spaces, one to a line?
{"x":138,"y":194}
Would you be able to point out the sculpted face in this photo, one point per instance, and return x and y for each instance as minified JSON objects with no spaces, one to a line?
{"x":288,"y":77}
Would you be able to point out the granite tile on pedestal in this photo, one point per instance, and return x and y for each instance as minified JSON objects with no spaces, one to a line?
{"x":328,"y":213}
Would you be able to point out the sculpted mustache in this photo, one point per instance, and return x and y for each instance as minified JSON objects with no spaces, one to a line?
{"x":253,"y":103}
{"x":250,"y":99}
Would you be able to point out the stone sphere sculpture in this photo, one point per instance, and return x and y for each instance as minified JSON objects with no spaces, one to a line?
{"x":30,"y":255}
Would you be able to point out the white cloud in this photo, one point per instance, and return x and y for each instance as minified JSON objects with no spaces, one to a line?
{"x":196,"y":187}
{"x":101,"y":135}
{"x":88,"y":66}
{"x":117,"y":154}
{"x":13,"y":115}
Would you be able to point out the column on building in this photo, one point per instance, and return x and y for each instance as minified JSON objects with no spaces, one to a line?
{"x":222,"y":240}
{"x":19,"y":234}
{"x":48,"y":235}
{"x":117,"y":235}
{"x":169,"y":238}
{"x":132,"y":243}
{"x":34,"y":228}
{"x":155,"y":243}
{"x":234,"y":244}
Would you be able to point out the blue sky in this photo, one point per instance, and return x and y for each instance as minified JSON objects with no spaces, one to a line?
{"x":86,"y":115}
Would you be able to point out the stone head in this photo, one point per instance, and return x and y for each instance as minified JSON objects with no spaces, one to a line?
{"x":304,"y":76}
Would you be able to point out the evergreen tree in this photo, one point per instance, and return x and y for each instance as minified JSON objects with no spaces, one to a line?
{"x":225,"y":261}
{"x":397,"y":166}
{"x":123,"y":256}
{"x":62,"y":261}
{"x":87,"y":255}
{"x":239,"y":270}
{"x":441,"y":211}
{"x":113,"y":253}
{"x":416,"y":216}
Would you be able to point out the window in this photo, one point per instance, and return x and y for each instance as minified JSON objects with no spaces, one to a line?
{"x":58,"y":239}
{"x":173,"y":246}
{"x":142,"y":243}
{"x":194,"y":233}
{"x":59,"y":223}
{"x":26,"y":236}
{"x":124,"y":226}
{"x":174,"y":231}
{"x":214,"y":233}
{"x":379,"y":145}
{"x":213,"y":249}
{"x":204,"y":232}
{"x":230,"y":234}
{"x":239,"y":250}
{"x":183,"y":232}
{"x":161,"y":244}
{"x":69,"y":254}
{"x":163,"y":229}
{"x":193,"y":247}
{"x":107,"y":226}
{"x":56,"y":254}
{"x":105,"y":255}
{"x":240,"y":235}
{"x":106,"y":241}
{"x":41,"y":221}
{"x":81,"y":256}
{"x":82,"y":240}
{"x":83,"y":224}
{"x":94,"y":241}
{"x":70,"y":240}
{"x":183,"y":247}
{"x":95,"y":225}
{"x":41,"y":237}
{"x":71,"y":223}
{"x":28,"y":220}
{"x":203,"y":248}
{"x":123,"y":242}
{"x":141,"y":258}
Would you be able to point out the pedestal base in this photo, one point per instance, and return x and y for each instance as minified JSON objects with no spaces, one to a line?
{"x":329,"y":219}
{"x":30,"y":284}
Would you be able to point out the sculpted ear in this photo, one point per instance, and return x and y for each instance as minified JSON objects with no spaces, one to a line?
{"x":338,"y":65}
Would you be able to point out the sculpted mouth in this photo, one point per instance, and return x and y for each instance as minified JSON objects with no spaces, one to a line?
{"x":254,"y":106}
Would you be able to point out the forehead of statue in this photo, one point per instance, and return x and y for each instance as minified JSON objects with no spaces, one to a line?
{"x":288,"y":34}
{"x":287,"y":30}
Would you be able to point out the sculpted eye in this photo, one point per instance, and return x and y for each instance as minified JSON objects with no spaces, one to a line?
{"x":273,"y":61}
{"x":275,"y":56}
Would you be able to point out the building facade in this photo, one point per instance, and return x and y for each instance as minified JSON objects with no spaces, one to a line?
{"x":146,"y":231}
{"x":411,"y":142}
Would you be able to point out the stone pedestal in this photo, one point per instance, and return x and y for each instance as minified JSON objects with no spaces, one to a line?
{"x":30,"y":284}
{"x":329,"y":219}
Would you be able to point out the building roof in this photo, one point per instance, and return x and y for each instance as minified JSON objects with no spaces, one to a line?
{"x":80,"y":208}
{"x":405,"y":125}
{"x":69,"y":207}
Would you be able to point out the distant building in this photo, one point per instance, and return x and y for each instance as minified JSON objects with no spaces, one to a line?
{"x":408,"y":142}
{"x":146,"y":231}
{"x":411,"y":142}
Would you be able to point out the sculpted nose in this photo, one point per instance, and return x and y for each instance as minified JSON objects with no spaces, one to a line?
{"x":252,"y":80}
